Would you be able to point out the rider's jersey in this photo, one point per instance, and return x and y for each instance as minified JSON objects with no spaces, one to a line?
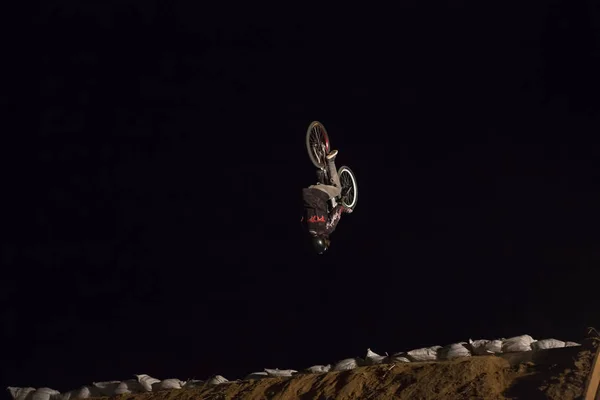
{"x":318,"y":219}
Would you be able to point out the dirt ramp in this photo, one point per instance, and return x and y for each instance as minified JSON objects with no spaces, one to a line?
{"x":560,"y":374}
{"x":560,"y":378}
{"x":479,"y":377}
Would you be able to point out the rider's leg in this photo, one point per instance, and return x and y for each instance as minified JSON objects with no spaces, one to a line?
{"x":332,"y":191}
{"x":335,"y":189}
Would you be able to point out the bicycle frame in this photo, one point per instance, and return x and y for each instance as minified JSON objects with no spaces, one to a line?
{"x":324,"y":178}
{"x":317,"y":145}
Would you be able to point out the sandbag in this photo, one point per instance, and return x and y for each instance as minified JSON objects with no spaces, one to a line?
{"x":65,"y":396}
{"x":146,"y":381}
{"x":85,"y":392}
{"x":128,"y":386}
{"x":571,"y":344}
{"x":280,"y":372}
{"x":193,"y":383}
{"x":166,"y":384}
{"x":478,"y":346}
{"x":319,"y":369}
{"x":44,"y":393}
{"x":399,"y":358}
{"x":81,"y":393}
{"x":517,"y":344}
{"x":495,"y":346}
{"x":424,"y":354}
{"x":19,"y":393}
{"x":455,"y":350}
{"x":373,"y":358}
{"x":347,"y":364}
{"x":217,"y":380}
{"x":545,"y":344}
{"x":483,"y":347}
{"x":257,"y":375}
{"x":107,"y":388}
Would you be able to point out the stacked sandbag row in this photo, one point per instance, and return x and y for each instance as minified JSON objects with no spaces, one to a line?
{"x":434,"y":353}
{"x":145,"y":383}
{"x":455,"y":350}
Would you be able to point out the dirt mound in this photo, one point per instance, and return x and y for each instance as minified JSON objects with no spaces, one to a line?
{"x":565,"y":380}
{"x":481,"y":377}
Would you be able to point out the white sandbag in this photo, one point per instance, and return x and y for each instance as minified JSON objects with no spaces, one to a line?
{"x":65,"y":396}
{"x":128,"y":386}
{"x":166,"y":384}
{"x":146,"y":381}
{"x":193,"y":383}
{"x":495,"y":346}
{"x":399,"y":358}
{"x":571,"y":344}
{"x":348,"y":364}
{"x":81,"y":393}
{"x":373,"y":358}
{"x":217,"y":380}
{"x":319,"y":369}
{"x":517,"y":344}
{"x":19,"y":393}
{"x":455,"y":350}
{"x":107,"y":388}
{"x":280,"y":372}
{"x":545,"y":344}
{"x":256,"y":375}
{"x":478,"y":347}
{"x":85,"y":392}
{"x":424,"y":354}
{"x":484,"y":347}
{"x":44,"y":393}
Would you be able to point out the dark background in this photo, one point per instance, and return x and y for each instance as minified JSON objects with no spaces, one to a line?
{"x":153,"y":159}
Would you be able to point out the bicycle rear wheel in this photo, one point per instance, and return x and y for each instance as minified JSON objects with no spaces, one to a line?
{"x":317,"y":144}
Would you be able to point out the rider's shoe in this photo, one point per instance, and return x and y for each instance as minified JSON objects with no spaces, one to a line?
{"x":331,"y":155}
{"x":347,"y":210}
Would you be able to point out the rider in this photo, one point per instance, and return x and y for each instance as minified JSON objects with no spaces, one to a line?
{"x":319,"y":221}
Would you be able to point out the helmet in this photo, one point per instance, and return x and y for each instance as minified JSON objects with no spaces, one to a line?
{"x":320,"y":243}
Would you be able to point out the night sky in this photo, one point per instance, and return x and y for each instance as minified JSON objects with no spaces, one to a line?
{"x":153,"y":160}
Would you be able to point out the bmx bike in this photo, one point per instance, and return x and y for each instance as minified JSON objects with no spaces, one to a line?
{"x":318,"y":146}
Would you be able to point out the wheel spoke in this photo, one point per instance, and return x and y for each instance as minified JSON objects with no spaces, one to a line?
{"x":316,"y":143}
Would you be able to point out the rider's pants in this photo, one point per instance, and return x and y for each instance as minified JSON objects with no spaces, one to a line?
{"x":335,"y":189}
